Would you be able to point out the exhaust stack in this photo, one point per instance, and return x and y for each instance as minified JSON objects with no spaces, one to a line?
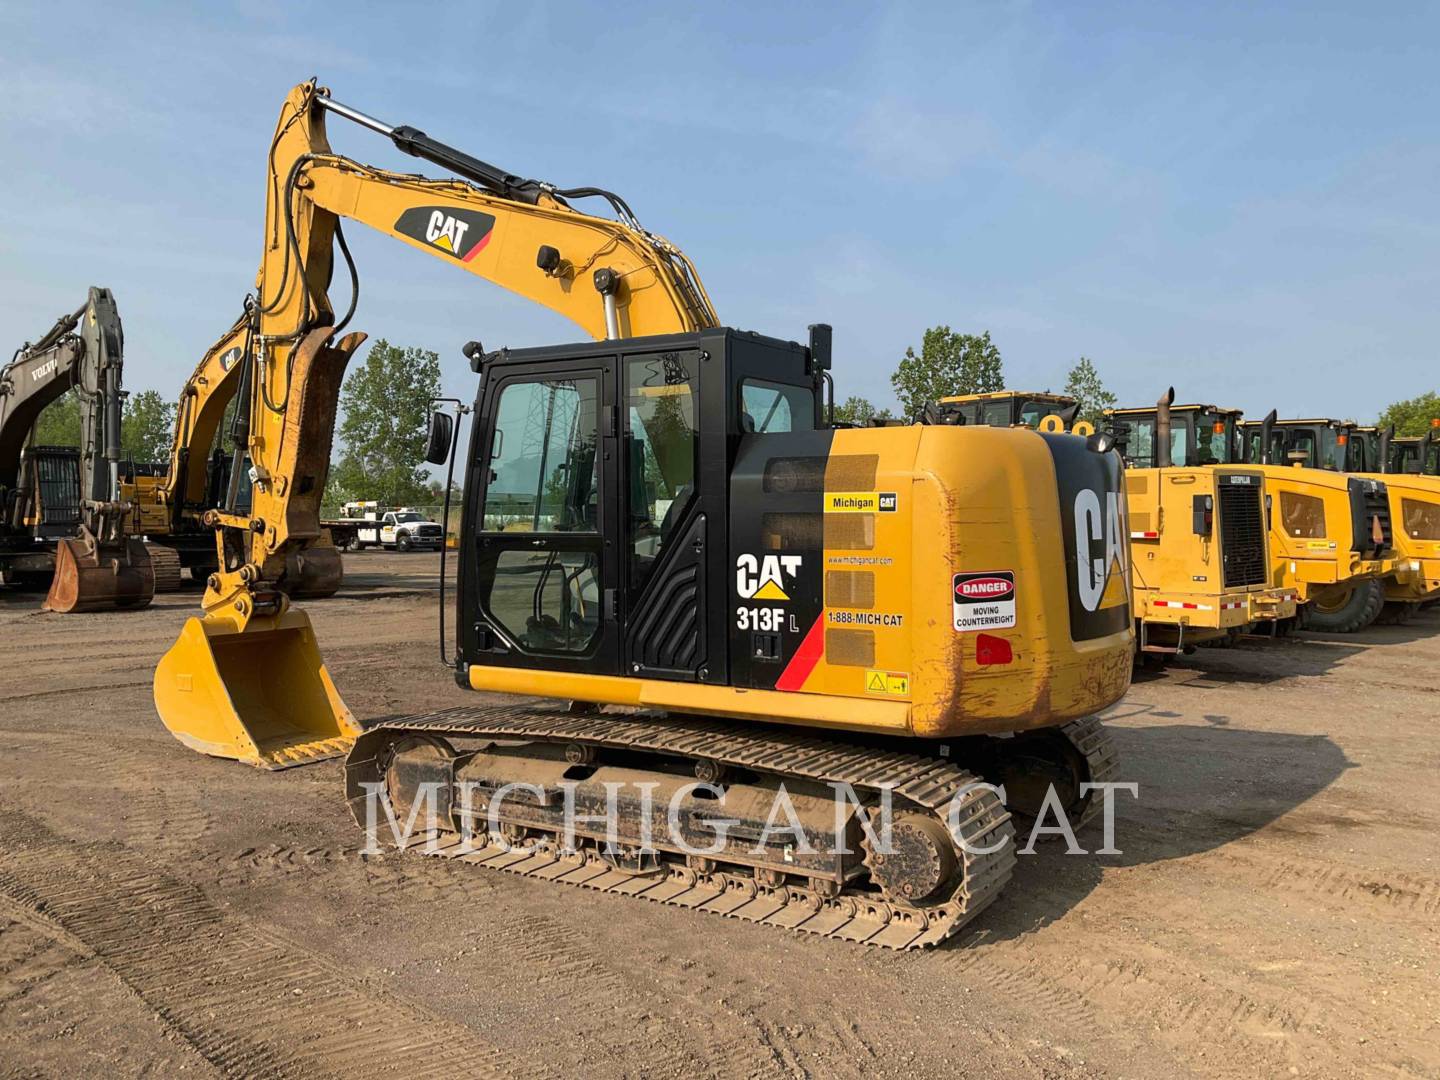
{"x":1163,"y":458}
{"x":1266,"y":426}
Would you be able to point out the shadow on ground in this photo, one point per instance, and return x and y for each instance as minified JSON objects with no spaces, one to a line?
{"x":1201,"y":786}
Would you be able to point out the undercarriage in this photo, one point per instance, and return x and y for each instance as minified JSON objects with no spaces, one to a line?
{"x":767,"y":824}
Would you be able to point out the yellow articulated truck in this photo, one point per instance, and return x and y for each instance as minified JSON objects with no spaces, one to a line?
{"x":1413,"y":501}
{"x":1202,"y":566}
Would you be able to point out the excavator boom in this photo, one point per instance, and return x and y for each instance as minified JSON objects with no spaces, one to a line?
{"x":285,"y":359}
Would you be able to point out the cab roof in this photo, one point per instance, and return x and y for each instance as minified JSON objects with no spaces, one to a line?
{"x":1297,"y":423}
{"x":1134,"y":410}
{"x":1010,"y":395}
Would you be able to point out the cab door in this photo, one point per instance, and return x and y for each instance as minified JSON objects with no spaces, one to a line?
{"x":545,"y":564}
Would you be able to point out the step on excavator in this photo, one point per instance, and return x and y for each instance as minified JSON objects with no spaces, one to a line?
{"x":1367,"y":453}
{"x":702,"y":589}
{"x":1329,"y":535}
{"x":70,"y":496}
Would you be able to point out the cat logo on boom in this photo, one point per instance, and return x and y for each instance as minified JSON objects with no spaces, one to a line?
{"x":763,"y":578}
{"x":459,"y":233}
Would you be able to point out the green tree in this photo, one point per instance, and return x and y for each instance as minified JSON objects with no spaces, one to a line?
{"x":948,"y":363}
{"x":1412,"y":416}
{"x":147,"y":427}
{"x":1085,"y":387}
{"x":859,"y":411}
{"x":59,"y":422}
{"x":386,"y":401}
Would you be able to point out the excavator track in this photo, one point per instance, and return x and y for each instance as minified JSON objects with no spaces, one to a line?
{"x":1095,"y":745}
{"x":857,"y":911}
{"x":165,"y":562}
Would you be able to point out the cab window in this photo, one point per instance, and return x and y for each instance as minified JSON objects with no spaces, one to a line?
{"x":1032,"y":412}
{"x":543,"y":464}
{"x":660,"y":450}
{"x":1214,"y":436}
{"x":771,"y":407}
{"x":996,"y":414}
{"x":1359,"y":454}
{"x":1139,"y":441}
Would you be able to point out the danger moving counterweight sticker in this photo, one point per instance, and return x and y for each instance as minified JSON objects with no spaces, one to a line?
{"x":984,"y":601}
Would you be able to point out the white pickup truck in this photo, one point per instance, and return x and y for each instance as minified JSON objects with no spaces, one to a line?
{"x":365,"y":525}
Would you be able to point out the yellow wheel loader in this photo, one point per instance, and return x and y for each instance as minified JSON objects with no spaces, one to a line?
{"x":69,"y":497}
{"x":1201,"y":562}
{"x":1329,"y":535}
{"x":1413,"y":503}
{"x":1198,"y":530}
{"x":718,"y":598}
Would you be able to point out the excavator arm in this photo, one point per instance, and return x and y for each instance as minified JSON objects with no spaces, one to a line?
{"x":82,"y":351}
{"x":286,"y":359}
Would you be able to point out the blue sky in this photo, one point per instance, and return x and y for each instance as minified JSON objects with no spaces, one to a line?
{"x":1240,"y":199}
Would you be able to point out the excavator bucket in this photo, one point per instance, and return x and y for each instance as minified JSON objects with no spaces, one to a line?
{"x":94,"y":575}
{"x":259,"y":695}
{"x":315,"y":573}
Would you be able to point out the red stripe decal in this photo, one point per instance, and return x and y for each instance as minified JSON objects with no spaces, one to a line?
{"x":805,"y":658}
{"x":479,"y":246}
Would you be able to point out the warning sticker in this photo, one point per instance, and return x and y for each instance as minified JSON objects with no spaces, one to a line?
{"x":894,"y":683}
{"x":861,"y":502}
{"x":984,"y":601}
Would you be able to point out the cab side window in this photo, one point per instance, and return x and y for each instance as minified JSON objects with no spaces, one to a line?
{"x":771,"y":407}
{"x":543,"y":467}
{"x":660,"y":449}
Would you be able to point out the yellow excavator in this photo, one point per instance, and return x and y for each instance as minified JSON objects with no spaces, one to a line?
{"x":665,"y":539}
{"x":171,"y":503}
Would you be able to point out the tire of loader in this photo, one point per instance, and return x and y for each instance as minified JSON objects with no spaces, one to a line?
{"x":1349,"y":611}
{"x":165,"y":563}
{"x":1398,"y":612}
{"x":95,"y":576}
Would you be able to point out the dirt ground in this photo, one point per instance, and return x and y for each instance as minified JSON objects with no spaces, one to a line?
{"x":1276,"y":910}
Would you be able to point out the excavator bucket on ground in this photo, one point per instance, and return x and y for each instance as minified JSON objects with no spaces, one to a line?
{"x":260,"y":695}
{"x":96,"y":575}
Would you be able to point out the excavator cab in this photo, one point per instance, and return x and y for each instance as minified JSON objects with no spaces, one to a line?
{"x":669,"y":522}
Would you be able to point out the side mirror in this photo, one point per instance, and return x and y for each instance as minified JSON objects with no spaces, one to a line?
{"x":439,"y":438}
